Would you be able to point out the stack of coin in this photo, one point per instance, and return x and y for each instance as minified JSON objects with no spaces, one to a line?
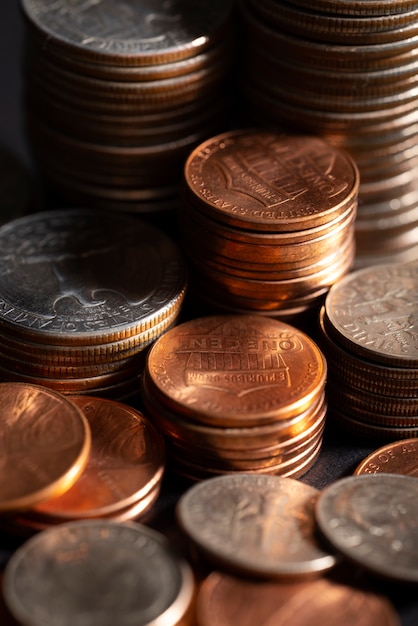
{"x":369,"y":338}
{"x":99,"y":572}
{"x":121,"y":479}
{"x":346,"y":71}
{"x":83,"y":294}
{"x":267,"y":220}
{"x":122,"y":93}
{"x":237,"y":393}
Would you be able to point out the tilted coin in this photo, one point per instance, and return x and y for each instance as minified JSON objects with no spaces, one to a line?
{"x":98,"y":572}
{"x":45,"y":444}
{"x":226,"y":601}
{"x":372,"y":519}
{"x":236,"y":370}
{"x":398,"y":457}
{"x":127,"y":461}
{"x":255,"y":524}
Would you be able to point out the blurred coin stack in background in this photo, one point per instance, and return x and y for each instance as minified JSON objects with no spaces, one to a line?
{"x":347,"y":71}
{"x":237,"y":393}
{"x":369,"y":337}
{"x":117,"y":94}
{"x":267,"y":220}
{"x":83,"y":294}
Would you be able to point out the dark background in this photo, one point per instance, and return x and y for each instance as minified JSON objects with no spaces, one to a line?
{"x":340,"y":454}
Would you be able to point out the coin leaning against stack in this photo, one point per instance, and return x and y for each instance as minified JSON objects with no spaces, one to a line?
{"x":369,"y":337}
{"x":346,"y":71}
{"x":236,"y":393}
{"x":122,"y":94}
{"x":83,"y":295}
{"x":120,"y":478}
{"x":267,"y":220}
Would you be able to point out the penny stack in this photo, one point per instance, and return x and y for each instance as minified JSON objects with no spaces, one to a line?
{"x":122,"y":93}
{"x":346,"y":71}
{"x":120,"y":477}
{"x":236,"y":393}
{"x":267,"y":220}
{"x":369,"y":338}
{"x":83,"y":295}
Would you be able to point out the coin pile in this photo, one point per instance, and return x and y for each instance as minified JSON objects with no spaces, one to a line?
{"x":237,"y":393}
{"x":267,"y":220}
{"x":369,"y":338}
{"x":99,"y":572}
{"x":122,"y":93}
{"x":83,"y":294}
{"x":346,"y":71}
{"x":121,"y":475}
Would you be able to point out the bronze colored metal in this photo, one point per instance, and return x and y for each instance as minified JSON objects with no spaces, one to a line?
{"x":268,"y":181}
{"x":399,"y":457}
{"x":367,"y":430}
{"x":227,"y":601}
{"x":46,"y":445}
{"x":236,"y":370}
{"x":126,"y":464}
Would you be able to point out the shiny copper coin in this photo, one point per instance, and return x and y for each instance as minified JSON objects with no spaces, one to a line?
{"x":46,"y":444}
{"x":399,"y":457}
{"x":236,"y":370}
{"x":227,"y":600}
{"x":268,"y":181}
{"x":372,"y":313}
{"x":264,"y":525}
{"x":127,"y":461}
{"x":85,"y":277}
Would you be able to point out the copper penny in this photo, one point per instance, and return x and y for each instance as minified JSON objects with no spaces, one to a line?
{"x":236,"y":370}
{"x":226,"y":601}
{"x":127,"y":462}
{"x":399,"y":457}
{"x":45,"y":443}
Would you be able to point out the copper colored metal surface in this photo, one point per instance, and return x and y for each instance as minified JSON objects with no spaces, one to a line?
{"x":45,"y":445}
{"x":399,"y":457}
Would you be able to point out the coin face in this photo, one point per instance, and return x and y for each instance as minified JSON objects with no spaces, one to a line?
{"x":226,"y":601}
{"x":373,"y":312}
{"x":398,"y":457}
{"x":97,"y":572}
{"x":236,"y":370}
{"x":45,"y":444}
{"x":258,"y":525}
{"x":270,"y":181}
{"x":372,"y":519}
{"x":86,"y":277}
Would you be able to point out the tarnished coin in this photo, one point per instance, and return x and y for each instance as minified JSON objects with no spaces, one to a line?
{"x":256,"y":524}
{"x":372,"y":519}
{"x":398,"y":457}
{"x":79,"y":277}
{"x":98,"y":572}
{"x":261,"y":180}
{"x":236,"y":370}
{"x":45,"y":445}
{"x":227,"y":601}
{"x":373,"y":312}
{"x":126,"y":463}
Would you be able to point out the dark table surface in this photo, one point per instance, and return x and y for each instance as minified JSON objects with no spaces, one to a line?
{"x":340,"y":454}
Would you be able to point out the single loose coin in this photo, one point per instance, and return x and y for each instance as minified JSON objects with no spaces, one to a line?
{"x":267,"y":181}
{"x":373,"y":312}
{"x":98,"y":572}
{"x":86,"y":277}
{"x":45,"y":445}
{"x":236,"y":370}
{"x":126,"y":462}
{"x":399,"y":457}
{"x":256,"y":524}
{"x":227,"y":601}
{"x":372,"y":519}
